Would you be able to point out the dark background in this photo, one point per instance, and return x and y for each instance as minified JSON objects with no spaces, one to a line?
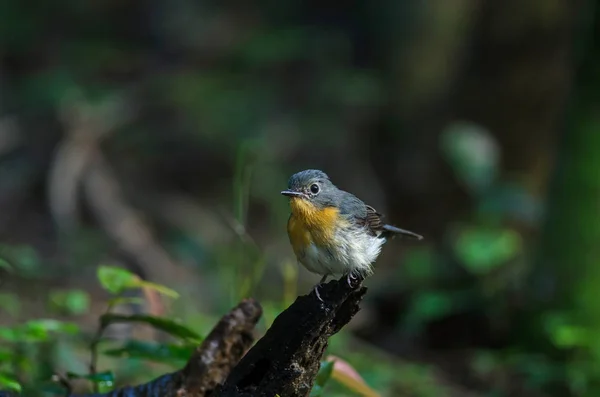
{"x":158,"y":135}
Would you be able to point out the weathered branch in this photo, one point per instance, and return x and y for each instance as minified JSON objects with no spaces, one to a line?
{"x":284,"y":362}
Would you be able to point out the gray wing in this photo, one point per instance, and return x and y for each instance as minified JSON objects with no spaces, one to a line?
{"x":355,"y":210}
{"x":364,"y":215}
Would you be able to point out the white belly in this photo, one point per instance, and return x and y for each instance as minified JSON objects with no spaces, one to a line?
{"x":355,"y":252}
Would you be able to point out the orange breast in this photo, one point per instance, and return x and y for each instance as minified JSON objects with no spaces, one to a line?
{"x":309,"y":224}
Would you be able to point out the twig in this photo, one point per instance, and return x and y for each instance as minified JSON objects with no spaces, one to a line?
{"x":94,"y":346}
{"x":63,"y":381}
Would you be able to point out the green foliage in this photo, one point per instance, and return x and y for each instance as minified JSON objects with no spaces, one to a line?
{"x":4,"y":265}
{"x":72,"y":302}
{"x":482,"y":250}
{"x":474,"y":155}
{"x":430,"y":305}
{"x":22,"y":341}
{"x":104,"y":381}
{"x":19,"y":339}
{"x":9,"y":303}
{"x":34,"y":331}
{"x":8,"y":382}
{"x":173,"y":354}
{"x":163,"y":324}
{"x":116,"y":280}
{"x":20,"y":258}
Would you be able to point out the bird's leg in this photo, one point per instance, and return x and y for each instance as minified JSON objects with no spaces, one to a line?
{"x":316,"y":288}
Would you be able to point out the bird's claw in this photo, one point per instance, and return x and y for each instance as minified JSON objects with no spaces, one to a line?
{"x":316,"y":289}
{"x":350,"y":279}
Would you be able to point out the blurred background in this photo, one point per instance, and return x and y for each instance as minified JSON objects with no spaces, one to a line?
{"x":156,"y":137}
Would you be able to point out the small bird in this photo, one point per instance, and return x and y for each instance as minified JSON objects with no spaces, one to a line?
{"x":332,"y":232}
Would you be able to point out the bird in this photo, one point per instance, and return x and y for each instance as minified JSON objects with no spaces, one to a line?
{"x":333,"y":232}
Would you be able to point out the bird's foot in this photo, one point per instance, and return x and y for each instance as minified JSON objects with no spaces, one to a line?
{"x":352,"y":279}
{"x":316,"y":288}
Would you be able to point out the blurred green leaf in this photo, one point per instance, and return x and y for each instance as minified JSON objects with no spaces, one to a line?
{"x":269,"y":47}
{"x":21,"y":258}
{"x":5,"y":355}
{"x":564,"y":333}
{"x":123,"y":300}
{"x":5,"y":265}
{"x":511,"y":200}
{"x":163,"y":353}
{"x":164,"y":324}
{"x":473,"y":153}
{"x":106,"y":376}
{"x":482,"y":250}
{"x":324,"y":374}
{"x":419,"y":265}
{"x":37,"y":330}
{"x":484,"y":363}
{"x":158,"y":288}
{"x":428,"y":305}
{"x":10,"y":303}
{"x":71,"y":302}
{"x":9,"y":382}
{"x":40,"y":330}
{"x":105,"y":381}
{"x":115,"y":279}
{"x":352,"y":88}
{"x":47,"y":88}
{"x":8,"y":334}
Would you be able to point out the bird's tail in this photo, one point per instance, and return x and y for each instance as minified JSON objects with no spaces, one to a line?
{"x":393,"y":230}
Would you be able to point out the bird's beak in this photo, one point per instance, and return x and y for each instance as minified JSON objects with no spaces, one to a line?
{"x":291,"y":193}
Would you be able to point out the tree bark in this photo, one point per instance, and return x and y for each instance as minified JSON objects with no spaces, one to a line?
{"x":286,"y":360}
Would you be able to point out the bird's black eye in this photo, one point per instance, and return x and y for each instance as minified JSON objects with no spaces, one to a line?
{"x":314,"y":188}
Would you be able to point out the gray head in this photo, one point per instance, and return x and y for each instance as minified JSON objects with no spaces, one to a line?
{"x":313,"y":186}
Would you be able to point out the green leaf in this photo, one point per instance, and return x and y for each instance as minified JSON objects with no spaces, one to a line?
{"x":122,"y":300}
{"x":104,"y":380}
{"x":106,"y":376}
{"x":21,"y":258}
{"x":158,"y":288}
{"x":116,"y":280}
{"x":5,"y":265}
{"x":9,"y":382}
{"x":428,"y":305}
{"x":40,"y":330}
{"x":6,"y":355}
{"x":419,"y":265}
{"x":9,"y":303}
{"x":8,"y":334}
{"x":483,"y":250}
{"x":323,"y":376}
{"x":473,"y":153}
{"x":163,"y":353}
{"x":72,"y":302}
{"x":164,"y":324}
